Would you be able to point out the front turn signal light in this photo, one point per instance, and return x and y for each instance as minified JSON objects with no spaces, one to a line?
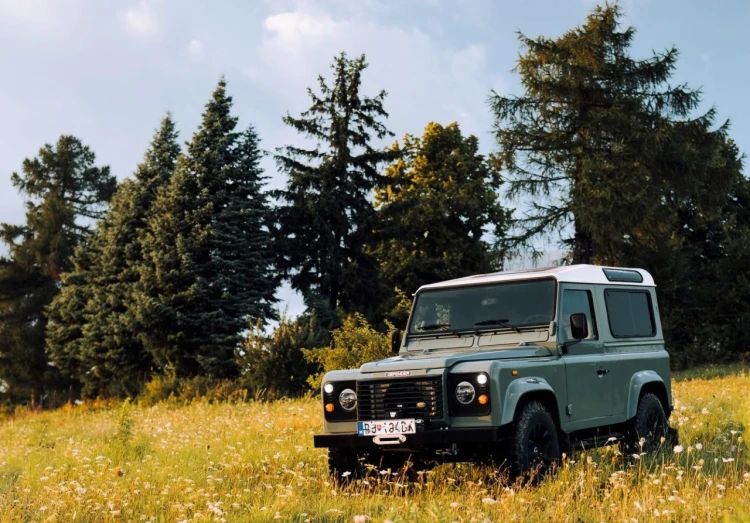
{"x":483,"y":399}
{"x":329,"y":407}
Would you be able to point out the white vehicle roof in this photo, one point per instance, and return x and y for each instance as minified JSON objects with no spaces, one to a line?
{"x":593,"y":274}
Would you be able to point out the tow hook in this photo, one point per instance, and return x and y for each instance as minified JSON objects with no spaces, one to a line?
{"x":389,"y":440}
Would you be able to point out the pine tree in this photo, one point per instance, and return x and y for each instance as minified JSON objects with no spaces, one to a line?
{"x":599,"y":137}
{"x":62,"y":186}
{"x":436,"y":210}
{"x":326,"y":215}
{"x":207,"y":254}
{"x":110,"y":358}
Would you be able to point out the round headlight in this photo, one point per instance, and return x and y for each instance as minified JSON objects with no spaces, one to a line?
{"x":481,"y":379}
{"x":328,"y":388}
{"x":465,"y":392}
{"x":348,"y":399}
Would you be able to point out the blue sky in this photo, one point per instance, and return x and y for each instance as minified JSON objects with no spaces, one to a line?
{"x":108,"y":71}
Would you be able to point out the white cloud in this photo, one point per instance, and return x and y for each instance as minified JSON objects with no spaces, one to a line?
{"x":140,"y":20}
{"x":48,"y":18}
{"x":426,"y":80}
{"x":196,"y":49}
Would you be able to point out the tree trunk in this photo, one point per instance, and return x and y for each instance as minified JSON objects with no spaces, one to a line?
{"x":582,"y":246}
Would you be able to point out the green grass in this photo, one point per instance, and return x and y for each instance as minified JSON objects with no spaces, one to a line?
{"x":255,"y":462}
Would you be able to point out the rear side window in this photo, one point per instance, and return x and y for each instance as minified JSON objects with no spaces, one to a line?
{"x":630,"y":313}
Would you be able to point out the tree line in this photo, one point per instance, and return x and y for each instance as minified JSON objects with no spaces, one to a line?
{"x":172,"y":273}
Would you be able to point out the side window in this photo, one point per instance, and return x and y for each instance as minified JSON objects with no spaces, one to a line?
{"x":630,"y":313}
{"x":575,"y":301}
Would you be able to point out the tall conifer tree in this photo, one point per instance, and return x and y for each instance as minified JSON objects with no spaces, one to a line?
{"x":64,"y":191}
{"x":206,"y":267}
{"x":107,"y":357}
{"x":598,"y":139}
{"x":611,"y":157}
{"x":325,"y":219}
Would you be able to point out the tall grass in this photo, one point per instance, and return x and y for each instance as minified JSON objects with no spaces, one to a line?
{"x":254,"y":461}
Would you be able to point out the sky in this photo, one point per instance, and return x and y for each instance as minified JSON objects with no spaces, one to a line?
{"x":107,"y":72}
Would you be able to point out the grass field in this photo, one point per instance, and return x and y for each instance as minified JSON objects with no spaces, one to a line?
{"x":255,"y":462}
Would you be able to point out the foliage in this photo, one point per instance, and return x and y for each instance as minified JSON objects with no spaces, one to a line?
{"x":206,"y":267}
{"x":436,"y":209}
{"x":240,"y":449}
{"x":64,"y":191}
{"x":275,"y":364}
{"x":601,"y":140}
{"x":352,"y":344}
{"x":176,"y":391}
{"x":325,"y":216}
{"x":93,"y":333}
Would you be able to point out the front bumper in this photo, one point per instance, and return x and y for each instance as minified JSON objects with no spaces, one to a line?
{"x":432,"y":439}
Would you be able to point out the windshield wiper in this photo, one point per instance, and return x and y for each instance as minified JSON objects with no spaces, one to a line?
{"x":434,"y":327}
{"x":501,"y":322}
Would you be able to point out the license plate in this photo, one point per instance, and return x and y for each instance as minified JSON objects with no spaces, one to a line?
{"x":387,"y":427}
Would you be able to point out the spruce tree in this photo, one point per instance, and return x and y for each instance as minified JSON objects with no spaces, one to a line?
{"x":206,"y":268}
{"x":110,"y":358}
{"x":325,"y":217}
{"x":438,"y":210}
{"x":64,"y":192}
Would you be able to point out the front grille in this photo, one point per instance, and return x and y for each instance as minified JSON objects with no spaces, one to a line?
{"x":378,"y":400}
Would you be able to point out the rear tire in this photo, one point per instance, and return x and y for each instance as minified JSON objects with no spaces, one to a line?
{"x":650,"y":424}
{"x":534,"y":445}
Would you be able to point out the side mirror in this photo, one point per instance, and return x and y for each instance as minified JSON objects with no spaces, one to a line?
{"x":579,"y":327}
{"x":395,"y":341}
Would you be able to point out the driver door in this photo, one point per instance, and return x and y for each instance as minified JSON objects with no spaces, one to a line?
{"x":588,"y":382}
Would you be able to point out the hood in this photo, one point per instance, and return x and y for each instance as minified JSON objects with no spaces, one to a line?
{"x":445,"y":359}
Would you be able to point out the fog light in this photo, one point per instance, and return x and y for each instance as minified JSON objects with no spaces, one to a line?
{"x":329,"y":407}
{"x":483,"y":399}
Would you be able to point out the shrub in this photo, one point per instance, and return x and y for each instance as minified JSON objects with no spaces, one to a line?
{"x":273,"y":366}
{"x":353,"y":344}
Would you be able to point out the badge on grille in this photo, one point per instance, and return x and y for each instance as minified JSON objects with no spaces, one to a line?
{"x":393,"y":414}
{"x":398,"y":374}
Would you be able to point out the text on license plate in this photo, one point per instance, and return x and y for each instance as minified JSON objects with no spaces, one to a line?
{"x":392,"y":426}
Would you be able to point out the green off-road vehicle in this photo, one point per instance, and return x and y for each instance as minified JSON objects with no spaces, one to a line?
{"x":515,"y":366}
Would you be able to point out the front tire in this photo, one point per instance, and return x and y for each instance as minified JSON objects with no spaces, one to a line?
{"x":534,"y":445}
{"x":650,"y":424}
{"x":344,"y":464}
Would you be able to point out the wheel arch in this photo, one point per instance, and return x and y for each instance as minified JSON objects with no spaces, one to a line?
{"x":645,"y":382}
{"x":523,"y":391}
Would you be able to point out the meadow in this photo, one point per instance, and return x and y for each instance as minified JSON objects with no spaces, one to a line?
{"x":254,"y":461}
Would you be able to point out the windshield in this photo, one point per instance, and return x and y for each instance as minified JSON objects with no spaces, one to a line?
{"x":505,"y":305}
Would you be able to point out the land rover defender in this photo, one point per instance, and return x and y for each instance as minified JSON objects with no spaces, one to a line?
{"x":517,"y":366}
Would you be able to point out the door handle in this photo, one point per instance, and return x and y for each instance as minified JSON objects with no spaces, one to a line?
{"x":602,"y":372}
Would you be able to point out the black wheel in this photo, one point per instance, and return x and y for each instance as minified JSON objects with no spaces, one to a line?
{"x":650,"y":424}
{"x":344,"y":464}
{"x":534,"y":446}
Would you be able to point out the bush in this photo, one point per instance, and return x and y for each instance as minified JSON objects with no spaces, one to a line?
{"x":273,"y":366}
{"x":184,"y":391}
{"x":353,"y":344}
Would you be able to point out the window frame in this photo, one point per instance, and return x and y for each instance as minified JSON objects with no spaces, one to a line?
{"x":434,"y":334}
{"x":652,"y":317}
{"x":592,"y":308}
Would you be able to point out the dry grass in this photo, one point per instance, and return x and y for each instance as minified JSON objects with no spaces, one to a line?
{"x":255,"y":462}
